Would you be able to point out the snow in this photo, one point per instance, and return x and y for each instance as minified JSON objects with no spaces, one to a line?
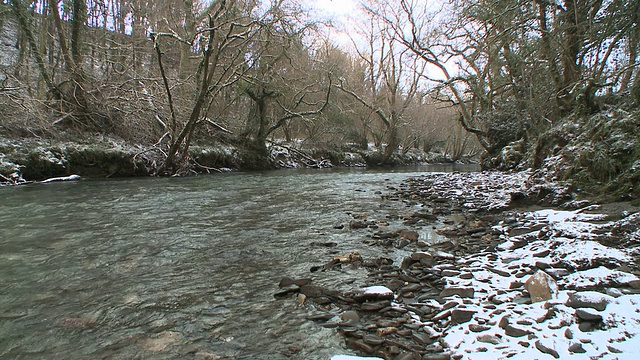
{"x":351,"y":357}
{"x":600,"y":276}
{"x":377,"y":290}
{"x":569,"y":238}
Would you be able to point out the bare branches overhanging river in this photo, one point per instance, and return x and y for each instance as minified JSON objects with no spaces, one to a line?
{"x":176,"y":268}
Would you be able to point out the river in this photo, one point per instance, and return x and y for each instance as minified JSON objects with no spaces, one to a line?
{"x":179,"y":268}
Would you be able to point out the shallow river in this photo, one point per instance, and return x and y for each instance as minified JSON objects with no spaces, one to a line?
{"x":179,"y":268}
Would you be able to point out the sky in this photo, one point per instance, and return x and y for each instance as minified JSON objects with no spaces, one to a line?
{"x":341,"y":13}
{"x":338,"y":10}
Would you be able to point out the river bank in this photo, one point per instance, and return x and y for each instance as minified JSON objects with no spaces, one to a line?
{"x":525,"y":270}
{"x":34,"y":159}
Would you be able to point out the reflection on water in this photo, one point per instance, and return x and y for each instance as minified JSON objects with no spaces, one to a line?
{"x":177,"y":268}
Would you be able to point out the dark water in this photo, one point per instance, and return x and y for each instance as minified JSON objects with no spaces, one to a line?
{"x":178,"y":268}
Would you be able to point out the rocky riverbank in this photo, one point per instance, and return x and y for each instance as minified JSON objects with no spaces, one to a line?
{"x":24,"y":160}
{"x":522,"y":270}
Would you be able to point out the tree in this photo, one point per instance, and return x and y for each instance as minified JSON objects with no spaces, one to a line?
{"x":391,"y":82}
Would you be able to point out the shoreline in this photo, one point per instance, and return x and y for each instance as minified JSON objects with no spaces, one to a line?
{"x":24,"y":160}
{"x":510,"y":239}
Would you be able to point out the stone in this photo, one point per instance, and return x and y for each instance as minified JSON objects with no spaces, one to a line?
{"x":577,"y":348}
{"x":287,"y":281}
{"x":459,"y":316}
{"x":374,"y":293}
{"x":422,"y":338}
{"x":499,"y":272}
{"x":547,"y":347}
{"x":541,"y":287}
{"x":478,"y":328}
{"x":614,"y":292}
{"x":350,"y":316}
{"x":587,"y":314}
{"x":489,"y":339}
{"x":516,"y":331}
{"x":504,"y":322}
{"x":374,"y":306}
{"x":568,"y":334}
{"x":372,"y":340}
{"x":463,"y":292}
{"x":360,"y":345}
{"x":320,"y":317}
{"x":409,"y":235}
{"x":589,"y":299}
{"x":449,"y":273}
{"x":395,"y":284}
{"x":587,"y":326}
{"x":358,"y":225}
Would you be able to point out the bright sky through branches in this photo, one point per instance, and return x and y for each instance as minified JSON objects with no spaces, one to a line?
{"x":334,"y":9}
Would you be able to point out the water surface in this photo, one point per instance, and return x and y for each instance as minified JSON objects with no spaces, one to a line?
{"x":179,"y":268}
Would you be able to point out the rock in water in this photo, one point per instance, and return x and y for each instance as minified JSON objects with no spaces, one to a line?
{"x":541,"y":287}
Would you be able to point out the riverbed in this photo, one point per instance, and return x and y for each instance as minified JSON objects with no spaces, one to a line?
{"x":180,"y":267}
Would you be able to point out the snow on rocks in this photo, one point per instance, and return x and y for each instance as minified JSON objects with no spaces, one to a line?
{"x":505,"y":284}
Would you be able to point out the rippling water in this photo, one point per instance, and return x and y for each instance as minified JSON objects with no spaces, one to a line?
{"x":177,"y":268}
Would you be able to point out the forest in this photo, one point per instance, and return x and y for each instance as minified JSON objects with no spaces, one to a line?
{"x":503,"y":81}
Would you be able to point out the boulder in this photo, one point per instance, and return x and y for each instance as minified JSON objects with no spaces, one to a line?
{"x":541,"y":287}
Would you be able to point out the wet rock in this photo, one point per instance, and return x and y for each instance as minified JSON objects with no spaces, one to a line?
{"x":395,"y":284}
{"x":350,"y":316}
{"x":77,"y":322}
{"x":587,"y":314}
{"x":463,"y":292}
{"x":320,"y":317}
{"x":358,"y":225}
{"x":409,"y":235}
{"x":441,"y":356}
{"x":384,"y":235}
{"x":361,"y":346}
{"x":422,"y":338}
{"x":374,"y":306}
{"x":424,"y":216}
{"x":287,"y":281}
{"x":386,"y":331}
{"x":541,"y":287}
{"x":589,"y":299}
{"x":547,"y":347}
{"x":372,"y":340}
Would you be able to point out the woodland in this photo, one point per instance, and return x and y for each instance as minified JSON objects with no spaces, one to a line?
{"x":509,"y":81}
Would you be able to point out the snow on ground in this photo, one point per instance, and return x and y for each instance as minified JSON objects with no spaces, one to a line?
{"x":507,"y":325}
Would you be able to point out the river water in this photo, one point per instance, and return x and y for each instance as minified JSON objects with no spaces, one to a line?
{"x":180,"y":268}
